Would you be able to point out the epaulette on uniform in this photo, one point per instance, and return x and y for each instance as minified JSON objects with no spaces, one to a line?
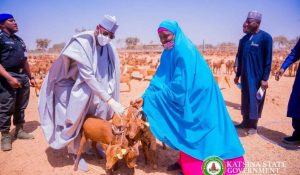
{"x":1,"y":34}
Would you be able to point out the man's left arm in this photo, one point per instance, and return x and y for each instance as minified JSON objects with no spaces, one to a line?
{"x":268,"y":47}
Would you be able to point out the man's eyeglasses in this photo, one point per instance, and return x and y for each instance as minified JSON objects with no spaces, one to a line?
{"x":111,"y":36}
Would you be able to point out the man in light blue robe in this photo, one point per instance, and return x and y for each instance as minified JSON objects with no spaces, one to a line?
{"x":84,"y":80}
{"x":254,"y":59}
{"x":183,"y":103}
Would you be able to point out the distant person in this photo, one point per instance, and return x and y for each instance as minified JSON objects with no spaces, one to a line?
{"x":254,"y":58}
{"x":294,"y":102}
{"x":84,"y":80}
{"x":185,"y":107}
{"x":15,"y":80}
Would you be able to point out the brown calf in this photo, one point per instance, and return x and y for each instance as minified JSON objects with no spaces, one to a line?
{"x":126,"y":77}
{"x":100,"y":131}
{"x":113,"y":154}
{"x":131,"y":157}
{"x":38,"y":86}
{"x":138,"y":130}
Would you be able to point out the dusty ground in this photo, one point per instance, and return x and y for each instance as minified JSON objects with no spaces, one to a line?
{"x":264,"y":149}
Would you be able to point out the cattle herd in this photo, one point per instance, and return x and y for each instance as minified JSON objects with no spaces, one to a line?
{"x":119,"y":137}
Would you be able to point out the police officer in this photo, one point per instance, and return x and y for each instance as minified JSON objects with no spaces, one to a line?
{"x":14,"y":81}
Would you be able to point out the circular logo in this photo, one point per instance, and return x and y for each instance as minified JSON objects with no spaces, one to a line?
{"x":213,"y":166}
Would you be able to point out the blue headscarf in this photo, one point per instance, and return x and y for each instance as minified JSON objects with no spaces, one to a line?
{"x":184,"y":105}
{"x":5,"y":16}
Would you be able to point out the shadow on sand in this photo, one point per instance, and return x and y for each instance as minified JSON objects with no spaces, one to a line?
{"x":233,"y":105}
{"x":29,"y":127}
{"x":61,"y":158}
{"x":272,"y":136}
{"x":275,"y":137}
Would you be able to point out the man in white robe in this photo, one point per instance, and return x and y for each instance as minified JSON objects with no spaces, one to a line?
{"x":85,"y":79}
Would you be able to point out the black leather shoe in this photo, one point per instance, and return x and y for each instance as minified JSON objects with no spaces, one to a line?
{"x":173,"y":167}
{"x":241,"y":126}
{"x":291,"y":140}
{"x":244,"y":124}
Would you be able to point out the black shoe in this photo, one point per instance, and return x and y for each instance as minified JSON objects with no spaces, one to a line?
{"x":244,"y":124}
{"x":174,"y":167}
{"x":6,"y":142}
{"x":291,"y":140}
{"x":241,"y":126}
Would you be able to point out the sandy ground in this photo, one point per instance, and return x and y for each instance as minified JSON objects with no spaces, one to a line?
{"x":262,"y":150}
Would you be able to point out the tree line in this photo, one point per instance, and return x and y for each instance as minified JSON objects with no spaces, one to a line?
{"x":279,"y":42}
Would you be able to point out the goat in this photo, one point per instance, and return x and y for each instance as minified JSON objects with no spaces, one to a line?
{"x":100,"y":131}
{"x":38,"y":86}
{"x":216,"y":64}
{"x":113,"y":154}
{"x":229,"y":66}
{"x":138,"y":130}
{"x":131,"y":157}
{"x":125,"y":77}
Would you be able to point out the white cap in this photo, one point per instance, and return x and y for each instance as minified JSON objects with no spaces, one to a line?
{"x":254,"y":15}
{"x":109,"y":23}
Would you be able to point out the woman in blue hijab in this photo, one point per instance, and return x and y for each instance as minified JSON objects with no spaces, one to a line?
{"x":184,"y":105}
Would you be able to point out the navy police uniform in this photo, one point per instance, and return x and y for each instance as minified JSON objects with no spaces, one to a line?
{"x":13,"y":101}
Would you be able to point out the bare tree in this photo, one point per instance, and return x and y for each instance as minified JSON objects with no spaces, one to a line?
{"x":131,"y":42}
{"x":209,"y":46}
{"x":42,"y":44}
{"x":292,"y":42}
{"x":280,"y":41}
{"x":226,"y":46}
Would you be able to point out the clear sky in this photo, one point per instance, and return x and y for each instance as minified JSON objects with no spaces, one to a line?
{"x":213,"y":21}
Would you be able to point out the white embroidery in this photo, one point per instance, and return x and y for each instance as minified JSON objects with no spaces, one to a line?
{"x":254,"y":44}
